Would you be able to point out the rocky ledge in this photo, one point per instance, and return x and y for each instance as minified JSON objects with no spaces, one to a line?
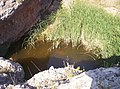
{"x":61,"y":78}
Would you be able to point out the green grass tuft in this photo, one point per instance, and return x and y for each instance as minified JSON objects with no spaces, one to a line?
{"x":86,"y":23}
{"x":96,"y":29}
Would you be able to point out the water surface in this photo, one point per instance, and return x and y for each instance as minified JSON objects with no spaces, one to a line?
{"x":40,"y":58}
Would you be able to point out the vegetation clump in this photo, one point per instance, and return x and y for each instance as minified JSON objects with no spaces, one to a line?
{"x":86,"y":24}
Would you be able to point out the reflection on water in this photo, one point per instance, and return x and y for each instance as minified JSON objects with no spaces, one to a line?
{"x":40,"y":58}
{"x":78,"y":57}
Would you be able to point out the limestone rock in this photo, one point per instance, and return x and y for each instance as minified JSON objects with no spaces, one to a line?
{"x":7,"y":7}
{"x":10,"y":72}
{"x":102,"y":78}
{"x":67,"y":3}
{"x":70,"y":78}
{"x":52,"y":77}
{"x":60,"y":78}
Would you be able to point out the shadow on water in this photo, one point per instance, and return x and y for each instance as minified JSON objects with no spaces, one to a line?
{"x":72,"y":55}
{"x":113,"y":61}
{"x":40,"y":57}
{"x":32,"y":66}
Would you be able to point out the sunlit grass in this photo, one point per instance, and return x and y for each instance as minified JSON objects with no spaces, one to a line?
{"x":89,"y":25}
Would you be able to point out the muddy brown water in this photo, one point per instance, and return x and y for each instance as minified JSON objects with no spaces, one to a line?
{"x":40,"y":58}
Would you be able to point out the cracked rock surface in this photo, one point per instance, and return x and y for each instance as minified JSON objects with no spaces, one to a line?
{"x":10,"y":72}
{"x":7,"y":7}
{"x":101,"y":78}
{"x":70,"y":78}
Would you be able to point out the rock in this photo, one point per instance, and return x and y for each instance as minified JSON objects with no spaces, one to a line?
{"x":7,"y":7}
{"x":12,"y":76}
{"x":110,"y":6}
{"x":4,"y":48}
{"x":19,"y":86}
{"x":17,"y":17}
{"x":112,"y":10}
{"x":52,"y":77}
{"x":2,"y":3}
{"x":54,"y":6}
{"x":102,"y":78}
{"x":70,"y":78}
{"x":110,"y":2}
{"x":10,"y":72}
{"x":67,"y":3}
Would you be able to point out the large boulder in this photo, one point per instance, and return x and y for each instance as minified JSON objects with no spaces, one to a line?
{"x":101,"y":78}
{"x":17,"y":17}
{"x":60,"y":78}
{"x":70,"y":78}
